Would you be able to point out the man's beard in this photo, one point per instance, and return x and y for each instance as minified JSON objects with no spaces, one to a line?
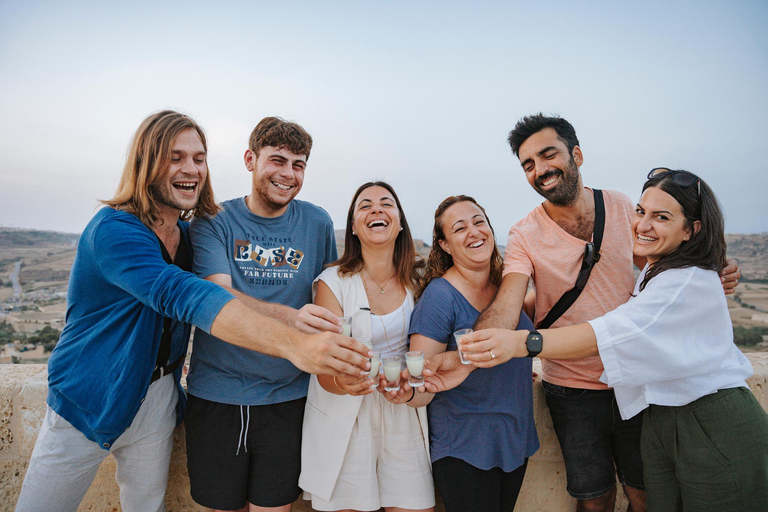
{"x":164,"y":195}
{"x":567,"y":191}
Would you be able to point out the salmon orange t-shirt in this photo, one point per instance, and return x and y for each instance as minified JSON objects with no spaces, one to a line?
{"x":542,"y":250}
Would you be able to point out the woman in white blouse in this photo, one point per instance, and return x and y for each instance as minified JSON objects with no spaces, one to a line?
{"x":670,"y":351}
{"x":361,"y":449}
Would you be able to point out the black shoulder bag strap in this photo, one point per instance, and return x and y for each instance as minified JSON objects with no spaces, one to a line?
{"x":162,"y":367}
{"x":591,"y":256}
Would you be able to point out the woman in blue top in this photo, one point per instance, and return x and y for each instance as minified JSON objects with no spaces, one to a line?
{"x":482,"y":432}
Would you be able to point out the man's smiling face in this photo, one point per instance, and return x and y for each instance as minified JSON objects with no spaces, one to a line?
{"x":278,"y":174}
{"x":550,"y":168}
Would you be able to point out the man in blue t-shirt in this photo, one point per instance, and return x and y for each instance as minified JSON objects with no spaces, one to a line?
{"x":113,"y":379}
{"x":245,"y":409}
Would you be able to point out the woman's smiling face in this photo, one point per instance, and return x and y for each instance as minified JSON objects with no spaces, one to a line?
{"x":659,"y":226}
{"x":376,"y":218}
{"x":468,"y":236}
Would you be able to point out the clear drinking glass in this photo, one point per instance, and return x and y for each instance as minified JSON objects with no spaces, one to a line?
{"x":414,"y":361}
{"x":375,"y":365}
{"x":458,"y":335}
{"x":346,"y":325}
{"x":392,"y":365}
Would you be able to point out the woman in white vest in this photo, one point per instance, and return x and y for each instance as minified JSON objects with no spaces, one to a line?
{"x":361,"y":449}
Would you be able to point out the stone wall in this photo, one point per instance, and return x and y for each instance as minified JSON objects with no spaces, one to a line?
{"x":22,"y":405}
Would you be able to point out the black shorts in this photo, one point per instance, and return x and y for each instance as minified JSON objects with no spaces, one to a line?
{"x":597,"y":444}
{"x":230,"y":464}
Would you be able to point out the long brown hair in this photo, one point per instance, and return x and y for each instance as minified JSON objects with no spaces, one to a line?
{"x":407,"y":262}
{"x":439,"y":261}
{"x":705,"y":249}
{"x":148,"y":158}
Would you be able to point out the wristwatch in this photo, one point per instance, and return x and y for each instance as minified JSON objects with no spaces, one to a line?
{"x":534,"y":343}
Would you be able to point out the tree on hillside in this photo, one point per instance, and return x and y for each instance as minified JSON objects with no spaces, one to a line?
{"x":47,"y":336}
{"x":748,"y":336}
{"x":6,"y":332}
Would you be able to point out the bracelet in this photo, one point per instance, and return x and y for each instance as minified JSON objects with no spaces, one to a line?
{"x":337,"y":385}
{"x":412,"y":396}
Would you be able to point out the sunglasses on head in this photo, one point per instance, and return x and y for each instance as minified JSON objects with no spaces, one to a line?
{"x":683,"y":178}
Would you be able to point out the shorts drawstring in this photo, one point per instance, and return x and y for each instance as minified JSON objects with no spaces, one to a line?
{"x":242,"y":439}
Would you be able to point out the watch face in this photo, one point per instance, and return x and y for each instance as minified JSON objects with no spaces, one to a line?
{"x":533,"y":343}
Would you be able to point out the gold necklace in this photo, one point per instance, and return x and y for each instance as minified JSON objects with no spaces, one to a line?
{"x":402,"y":333}
{"x":381,"y":288}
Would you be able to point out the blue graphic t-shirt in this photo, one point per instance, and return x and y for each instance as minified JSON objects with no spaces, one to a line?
{"x":274,"y":260}
{"x":487,"y":421}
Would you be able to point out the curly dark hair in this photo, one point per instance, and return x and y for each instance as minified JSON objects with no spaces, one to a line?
{"x":705,"y":249}
{"x":279,"y":133}
{"x":529,"y":125}
{"x":440,"y":261}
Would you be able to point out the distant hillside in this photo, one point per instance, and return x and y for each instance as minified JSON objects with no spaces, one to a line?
{"x":12,"y":237}
{"x":751,"y":251}
{"x":421,"y":247}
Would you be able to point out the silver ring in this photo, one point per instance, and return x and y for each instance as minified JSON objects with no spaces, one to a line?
{"x":493,"y":356}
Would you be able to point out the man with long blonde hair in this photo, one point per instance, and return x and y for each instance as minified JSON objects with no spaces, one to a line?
{"x":130,"y":307}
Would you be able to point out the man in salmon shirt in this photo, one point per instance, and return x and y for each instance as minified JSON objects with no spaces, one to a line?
{"x":548,"y":246}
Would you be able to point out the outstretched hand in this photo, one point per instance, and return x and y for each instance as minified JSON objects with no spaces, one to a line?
{"x":490,"y":347}
{"x":400,"y":396}
{"x":355,"y":386}
{"x":330,"y":354}
{"x":444,"y":371}
{"x":312,"y":319}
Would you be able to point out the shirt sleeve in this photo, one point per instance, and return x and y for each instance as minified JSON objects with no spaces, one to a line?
{"x":516,"y":258}
{"x":673,"y":329}
{"x":331,"y":253}
{"x":208,"y":248}
{"x":135,"y":264}
{"x":434,"y":315}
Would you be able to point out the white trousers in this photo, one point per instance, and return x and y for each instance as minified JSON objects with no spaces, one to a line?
{"x":64,"y":462}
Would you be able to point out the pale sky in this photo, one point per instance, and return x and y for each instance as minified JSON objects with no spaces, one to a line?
{"x":421,"y":94}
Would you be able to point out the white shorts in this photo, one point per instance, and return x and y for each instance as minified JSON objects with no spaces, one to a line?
{"x":386,"y":463}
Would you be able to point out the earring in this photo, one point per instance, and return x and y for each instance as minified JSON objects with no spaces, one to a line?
{"x":401,"y":228}
{"x":353,"y":233}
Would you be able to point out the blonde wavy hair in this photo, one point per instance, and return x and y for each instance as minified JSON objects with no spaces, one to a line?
{"x":148,"y":159}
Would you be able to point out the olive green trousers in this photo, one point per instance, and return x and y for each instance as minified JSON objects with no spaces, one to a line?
{"x":709,"y":455}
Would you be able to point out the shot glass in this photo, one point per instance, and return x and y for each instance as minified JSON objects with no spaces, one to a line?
{"x":458,"y":335}
{"x":346,"y":326}
{"x":414,"y":361}
{"x":375,"y":365}
{"x":392,"y":365}
{"x":368,"y":342}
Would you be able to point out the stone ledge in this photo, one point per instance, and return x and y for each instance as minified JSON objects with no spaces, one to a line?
{"x":23,"y":390}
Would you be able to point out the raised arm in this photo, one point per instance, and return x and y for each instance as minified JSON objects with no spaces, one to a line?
{"x":504,"y":311}
{"x":321,"y":354}
{"x":310,"y":319}
{"x":572,"y":342}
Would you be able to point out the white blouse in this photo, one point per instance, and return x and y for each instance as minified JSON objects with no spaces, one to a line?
{"x":670,"y":344}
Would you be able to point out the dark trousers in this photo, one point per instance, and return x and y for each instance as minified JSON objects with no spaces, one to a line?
{"x":465,"y":488}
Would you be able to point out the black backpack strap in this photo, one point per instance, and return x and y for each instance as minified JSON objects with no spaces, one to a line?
{"x":569,"y":297}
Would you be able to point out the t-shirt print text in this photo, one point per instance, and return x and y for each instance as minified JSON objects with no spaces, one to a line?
{"x":278,"y":264}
